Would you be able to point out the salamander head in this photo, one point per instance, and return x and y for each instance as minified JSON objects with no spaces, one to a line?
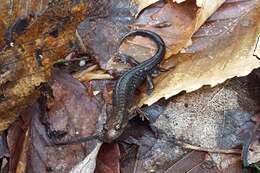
{"x":115,"y":125}
{"x":113,"y":132}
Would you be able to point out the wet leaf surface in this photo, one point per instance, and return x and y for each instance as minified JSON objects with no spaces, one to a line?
{"x":101,"y":34}
{"x":108,"y":159}
{"x":66,"y":110}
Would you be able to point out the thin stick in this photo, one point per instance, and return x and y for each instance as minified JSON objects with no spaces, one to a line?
{"x":225,"y":151}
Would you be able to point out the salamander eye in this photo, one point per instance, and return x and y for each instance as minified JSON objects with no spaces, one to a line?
{"x":117,"y":127}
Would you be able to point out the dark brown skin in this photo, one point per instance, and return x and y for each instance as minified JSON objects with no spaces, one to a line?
{"x":124,"y":89}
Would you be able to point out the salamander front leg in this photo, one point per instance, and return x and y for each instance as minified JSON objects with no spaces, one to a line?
{"x":158,"y":70}
{"x":150,"y":85}
{"x":128,"y":59}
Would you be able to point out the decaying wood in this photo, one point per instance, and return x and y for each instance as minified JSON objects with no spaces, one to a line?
{"x":33,"y":36}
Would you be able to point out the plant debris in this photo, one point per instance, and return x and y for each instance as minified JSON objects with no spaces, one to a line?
{"x":59,"y":61}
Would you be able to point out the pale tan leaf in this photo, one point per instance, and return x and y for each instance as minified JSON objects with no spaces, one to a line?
{"x":92,"y":75}
{"x":207,"y":8}
{"x":222,"y":49}
{"x":178,"y":1}
{"x":89,"y":163}
{"x":141,"y":4}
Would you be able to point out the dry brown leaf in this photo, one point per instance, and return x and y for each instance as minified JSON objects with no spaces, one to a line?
{"x":207,"y":7}
{"x":223,"y":48}
{"x":175,"y":23}
{"x":17,"y":140}
{"x":21,"y":165}
{"x":187,"y":162}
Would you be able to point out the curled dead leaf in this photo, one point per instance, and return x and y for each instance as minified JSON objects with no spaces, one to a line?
{"x":92,"y":75}
{"x":175,"y":23}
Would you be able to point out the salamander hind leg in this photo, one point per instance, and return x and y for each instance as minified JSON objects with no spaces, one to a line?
{"x":136,"y":110}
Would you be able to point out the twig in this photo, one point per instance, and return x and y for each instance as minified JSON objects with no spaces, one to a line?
{"x":256,"y":46}
{"x":225,"y":151}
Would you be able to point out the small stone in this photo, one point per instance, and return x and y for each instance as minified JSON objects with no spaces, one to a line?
{"x":82,"y":63}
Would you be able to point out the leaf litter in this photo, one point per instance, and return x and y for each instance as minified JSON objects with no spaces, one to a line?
{"x":65,"y":111}
{"x":213,"y":118}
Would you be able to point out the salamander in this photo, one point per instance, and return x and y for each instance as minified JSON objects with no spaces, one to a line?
{"x":125,"y":87}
